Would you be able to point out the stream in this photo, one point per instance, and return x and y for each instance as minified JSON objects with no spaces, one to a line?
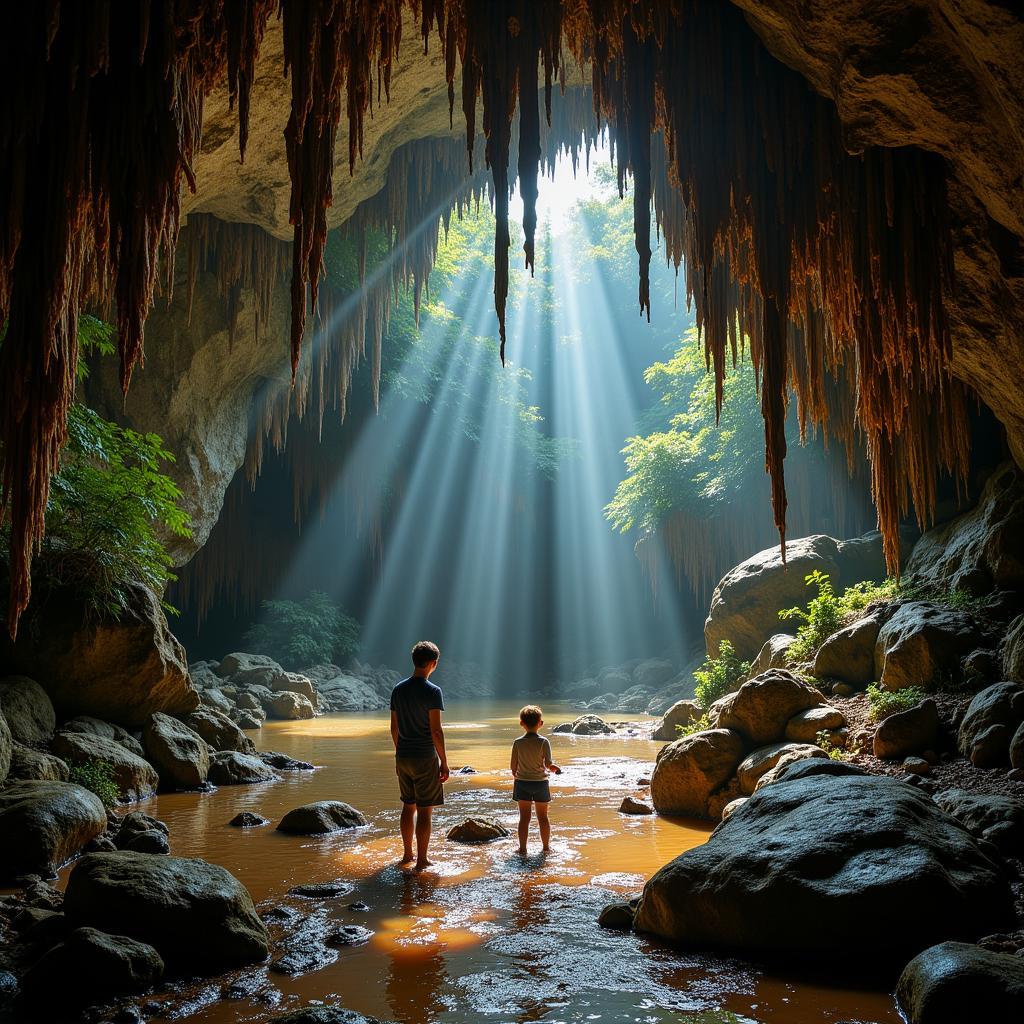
{"x":484,"y":935}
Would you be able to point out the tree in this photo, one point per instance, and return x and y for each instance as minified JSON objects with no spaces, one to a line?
{"x":298,"y":634}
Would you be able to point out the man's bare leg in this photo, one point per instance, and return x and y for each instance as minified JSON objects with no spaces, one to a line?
{"x":524,"y":823}
{"x":424,"y":820}
{"x":408,"y":819}
{"x":545,"y":827}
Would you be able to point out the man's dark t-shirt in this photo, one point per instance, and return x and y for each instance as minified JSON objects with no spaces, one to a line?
{"x":412,"y":700}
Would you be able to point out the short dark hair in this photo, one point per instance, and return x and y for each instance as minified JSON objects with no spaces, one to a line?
{"x":424,"y":653}
{"x":530,"y":716}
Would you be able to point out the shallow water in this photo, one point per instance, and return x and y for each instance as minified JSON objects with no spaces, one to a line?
{"x":483,"y":936}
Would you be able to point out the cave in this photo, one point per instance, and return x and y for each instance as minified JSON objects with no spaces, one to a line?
{"x":579,"y":440}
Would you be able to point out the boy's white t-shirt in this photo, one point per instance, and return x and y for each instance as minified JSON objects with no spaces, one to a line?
{"x":532,"y":751}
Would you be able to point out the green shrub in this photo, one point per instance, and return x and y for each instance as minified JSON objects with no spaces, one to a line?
{"x":824,"y":740}
{"x":719,"y":676}
{"x":701,"y":724}
{"x":98,"y":777}
{"x":302,"y":633}
{"x":888,"y":702}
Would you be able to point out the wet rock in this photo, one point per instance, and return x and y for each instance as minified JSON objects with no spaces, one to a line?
{"x":217,"y":700}
{"x":236,"y":664}
{"x":230,"y":768}
{"x":618,"y":916}
{"x":90,"y":965}
{"x":951,"y":982}
{"x":321,"y":890}
{"x":849,"y":655}
{"x":804,"y":726}
{"x":8,"y":987}
{"x":289,"y":706}
{"x":825,"y":837}
{"x":922,"y":643}
{"x":180,"y":755}
{"x":28,"y":710}
{"x":732,"y":806}
{"x":630,"y":805}
{"x":682,"y":713}
{"x":42,"y":895}
{"x":907,"y":732}
{"x":27,"y":763}
{"x":477,"y":830}
{"x":293,"y":682}
{"x":1013,"y":651}
{"x":1017,"y":748}
{"x":349,"y":935}
{"x":198,"y":915}
{"x":90,"y":726}
{"x":591,"y":725}
{"x":359,"y":907}
{"x":772,"y":654}
{"x":141,"y":833}
{"x":43,"y":824}
{"x":762,"y":760}
{"x":250,"y":719}
{"x":283,"y":762}
{"x":999,"y":819}
{"x":321,"y":817}
{"x":135,"y":777}
{"x":689,"y":770}
{"x":248,"y":819}
{"x":325,"y":1015}
{"x":988,"y":726}
{"x":762,"y":707}
{"x":249,"y":701}
{"x":344,"y":693}
{"x":219,"y":731}
{"x":466,"y":769}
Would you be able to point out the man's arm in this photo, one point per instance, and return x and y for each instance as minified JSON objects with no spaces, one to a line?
{"x":394,"y":729}
{"x":437,"y":735}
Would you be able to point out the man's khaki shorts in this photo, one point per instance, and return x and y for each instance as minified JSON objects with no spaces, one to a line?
{"x":419,"y":780}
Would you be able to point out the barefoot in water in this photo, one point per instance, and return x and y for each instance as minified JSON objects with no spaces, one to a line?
{"x":407,"y":858}
{"x":546,"y":849}
{"x":421,"y":864}
{"x":521,"y":851}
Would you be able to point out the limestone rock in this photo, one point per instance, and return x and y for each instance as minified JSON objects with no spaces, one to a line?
{"x":288,"y":706}
{"x":1013,"y":651}
{"x":689,"y":770}
{"x":947,"y":983}
{"x":630,"y":805}
{"x":6,"y":748}
{"x":764,"y":759}
{"x":215,"y":698}
{"x":119,"y":670}
{"x":250,"y":719}
{"x":43,"y":824}
{"x":108,"y":730}
{"x":234,"y":665}
{"x":773,"y":654}
{"x":343,"y":692}
{"x":838,"y":838}
{"x":988,"y":727}
{"x":231,"y":768}
{"x":180,"y":755}
{"x":682,"y":713}
{"x":761,"y":708}
{"x":849,"y":655}
{"x":197,"y":915}
{"x":321,"y":817}
{"x":922,"y":643}
{"x":28,"y":710}
{"x":591,"y":725}
{"x":999,"y":819}
{"x":804,"y":726}
{"x":797,"y":753}
{"x":907,"y":732}
{"x":142,"y":833}
{"x":219,"y":731}
{"x":293,"y":682}
{"x":136,"y":778}
{"x":27,"y":763}
{"x":325,"y":1015}
{"x":477,"y":830}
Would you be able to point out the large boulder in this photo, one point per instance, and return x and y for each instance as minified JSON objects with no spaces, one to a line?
{"x":761,"y":761}
{"x":829,"y":843}
{"x":746,"y":603}
{"x":197,"y":915}
{"x":773,"y":654}
{"x":27,"y":763}
{"x":136,"y":778}
{"x":922,"y":643}
{"x":988,"y":726}
{"x":235,"y":664}
{"x":320,"y":818}
{"x":219,"y":731}
{"x":232,"y":768}
{"x":804,"y":726}
{"x":344,"y":692}
{"x":180,"y":755}
{"x":293,"y":682}
{"x":108,"y":730}
{"x":288,"y":706}
{"x":1013,"y":651}
{"x":121,"y":669}
{"x":681,"y":714}
{"x":907,"y":732}
{"x":43,"y":824}
{"x":690,"y":770}
{"x":955,"y":982}
{"x":849,"y":655}
{"x":28,"y":710}
{"x":999,"y":819}
{"x":760,"y":709}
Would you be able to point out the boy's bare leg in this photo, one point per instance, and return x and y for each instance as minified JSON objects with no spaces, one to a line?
{"x":524,"y":823}
{"x":545,"y":827}
{"x":424,"y":820}
{"x":408,"y":820}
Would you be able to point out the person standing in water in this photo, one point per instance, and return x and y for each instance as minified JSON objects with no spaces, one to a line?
{"x":531,"y":763}
{"x":420,"y":760}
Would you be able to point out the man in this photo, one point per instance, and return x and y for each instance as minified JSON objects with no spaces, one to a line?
{"x":420,"y":760}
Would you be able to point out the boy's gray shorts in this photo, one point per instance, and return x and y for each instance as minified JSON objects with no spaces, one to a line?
{"x":419,"y":781}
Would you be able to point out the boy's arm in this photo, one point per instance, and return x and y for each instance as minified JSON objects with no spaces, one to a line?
{"x":514,"y":765}
{"x":547,"y":759}
{"x":437,"y":735}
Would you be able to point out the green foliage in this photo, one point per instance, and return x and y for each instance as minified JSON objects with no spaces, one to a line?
{"x":701,"y":724}
{"x":836,"y":753}
{"x":301,"y":633}
{"x":719,"y":676}
{"x":97,"y":776}
{"x":889,"y":702}
{"x":95,"y":337}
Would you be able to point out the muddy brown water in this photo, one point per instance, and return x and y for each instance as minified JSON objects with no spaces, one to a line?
{"x":484,"y":936}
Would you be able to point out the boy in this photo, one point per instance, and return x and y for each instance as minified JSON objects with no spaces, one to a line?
{"x":420,"y":760}
{"x":531,"y":762}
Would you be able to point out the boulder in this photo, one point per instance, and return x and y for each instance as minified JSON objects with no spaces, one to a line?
{"x":1017,"y":748}
{"x":180,"y":755}
{"x":689,"y":770}
{"x":217,"y":699}
{"x":682,"y":713}
{"x":325,"y":1015}
{"x":250,"y":719}
{"x":136,"y":779}
{"x":618,"y":916}
{"x":630,"y":805}
{"x":764,"y":759}
{"x":292,"y":682}
{"x":43,"y":824}
{"x":999,"y":819}
{"x":796,"y":752}
{"x":219,"y":731}
{"x":198,"y":915}
{"x":829,"y":842}
{"x":122,"y":670}
{"x":955,"y":982}
{"x":233,"y":665}
{"x":321,"y":817}
{"x":249,"y":701}
{"x":761,"y":708}
{"x":616,"y":680}
{"x":773,"y":654}
{"x":347,"y":693}
{"x":28,"y":710}
{"x":921,"y":644}
{"x":804,"y":726}
{"x":231,"y":768}
{"x":849,"y":655}
{"x":287,"y":705}
{"x":651,"y":673}
{"x":591,"y":725}
{"x":477,"y":830}
{"x":108,"y":730}
{"x":27,"y":763}
{"x":89,"y":965}
{"x":907,"y":732}
{"x":1013,"y":651}
{"x":248,"y":819}
{"x":6,"y":748}
{"x":989,"y":724}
